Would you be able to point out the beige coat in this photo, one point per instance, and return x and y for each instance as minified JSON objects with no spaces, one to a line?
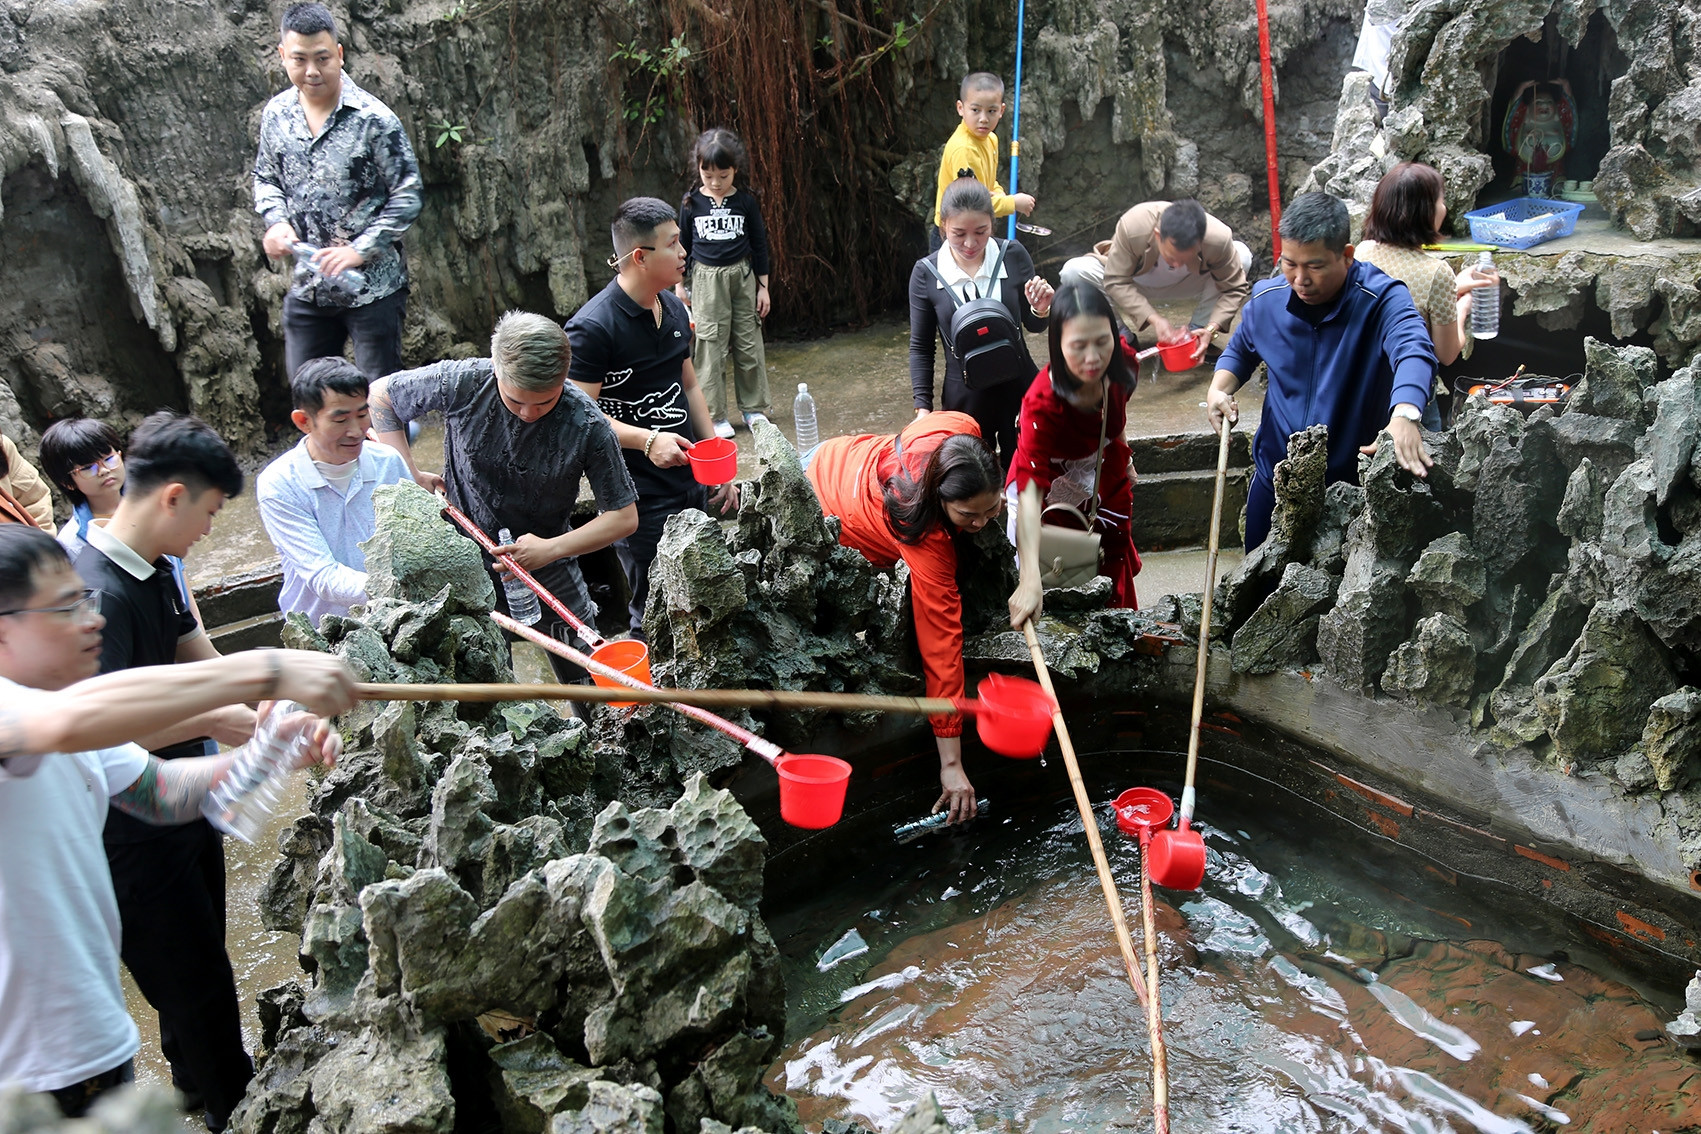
{"x":1133,"y":251}
{"x":25,"y":486}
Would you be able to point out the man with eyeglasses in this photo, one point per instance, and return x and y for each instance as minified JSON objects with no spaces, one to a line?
{"x":517,"y":440}
{"x":64,"y":755}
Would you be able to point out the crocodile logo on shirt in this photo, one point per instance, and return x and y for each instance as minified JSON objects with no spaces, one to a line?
{"x":615,"y":377}
{"x":658,"y":410}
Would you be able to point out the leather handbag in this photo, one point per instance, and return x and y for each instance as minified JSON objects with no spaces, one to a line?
{"x":1071,"y":556}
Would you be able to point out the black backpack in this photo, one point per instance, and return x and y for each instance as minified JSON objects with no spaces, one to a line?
{"x":983,"y":334}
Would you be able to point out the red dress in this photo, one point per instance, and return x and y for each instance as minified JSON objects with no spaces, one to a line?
{"x":1056,"y":449}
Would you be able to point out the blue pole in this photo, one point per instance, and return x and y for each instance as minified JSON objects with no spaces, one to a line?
{"x":1016,"y":113}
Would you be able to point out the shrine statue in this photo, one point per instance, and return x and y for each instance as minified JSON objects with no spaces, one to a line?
{"x":1540,"y":129}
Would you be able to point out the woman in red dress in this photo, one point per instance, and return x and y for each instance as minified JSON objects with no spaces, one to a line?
{"x":1091,"y":374}
{"x":906,"y":497}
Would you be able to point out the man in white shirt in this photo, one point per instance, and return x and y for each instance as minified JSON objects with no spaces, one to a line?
{"x":63,"y":756}
{"x":316,"y":499}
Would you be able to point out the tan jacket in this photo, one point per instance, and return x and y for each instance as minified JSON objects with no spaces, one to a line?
{"x":24,"y":485}
{"x":1133,"y":251}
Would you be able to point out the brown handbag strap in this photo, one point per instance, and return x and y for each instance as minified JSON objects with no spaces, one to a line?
{"x":1098,"y":462}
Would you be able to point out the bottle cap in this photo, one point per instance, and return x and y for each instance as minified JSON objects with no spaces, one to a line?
{"x":803,"y":387}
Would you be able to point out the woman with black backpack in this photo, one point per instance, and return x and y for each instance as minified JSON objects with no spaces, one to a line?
{"x":975,"y":294}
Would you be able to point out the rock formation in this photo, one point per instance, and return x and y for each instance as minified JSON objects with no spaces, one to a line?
{"x":1558,"y":616}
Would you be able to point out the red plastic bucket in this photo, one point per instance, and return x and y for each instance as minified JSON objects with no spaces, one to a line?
{"x":714,"y":461}
{"x":629,"y":657}
{"x":1179,"y":354}
{"x":812,"y":790}
{"x":1014,"y":717}
{"x":1143,"y":807}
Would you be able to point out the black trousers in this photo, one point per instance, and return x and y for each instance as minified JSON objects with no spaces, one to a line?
{"x":74,"y":1101}
{"x":312,"y":331}
{"x":638,"y":550}
{"x":171,"y":903}
{"x":995,"y":410}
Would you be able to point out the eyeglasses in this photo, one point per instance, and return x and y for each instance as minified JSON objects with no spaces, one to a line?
{"x":85,"y":609}
{"x":110,"y":461}
{"x":614,"y":261}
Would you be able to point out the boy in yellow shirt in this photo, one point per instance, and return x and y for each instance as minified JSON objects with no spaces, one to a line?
{"x":974,"y":147}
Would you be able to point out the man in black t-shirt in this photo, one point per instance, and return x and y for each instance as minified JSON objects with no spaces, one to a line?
{"x":517,"y":438}
{"x":170,"y":880}
{"x":632,"y":353}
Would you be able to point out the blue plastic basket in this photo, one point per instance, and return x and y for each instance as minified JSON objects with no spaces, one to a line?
{"x":1523,"y":222}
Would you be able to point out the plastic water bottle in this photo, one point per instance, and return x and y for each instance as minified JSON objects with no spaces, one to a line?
{"x":1485,"y":304}
{"x":522,"y":603}
{"x":306,"y":271}
{"x":239,"y":803}
{"x":803,"y":417}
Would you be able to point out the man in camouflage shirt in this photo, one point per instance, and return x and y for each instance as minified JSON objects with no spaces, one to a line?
{"x":336,"y":171}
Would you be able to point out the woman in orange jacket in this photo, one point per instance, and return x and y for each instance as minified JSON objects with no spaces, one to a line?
{"x":906,"y":497}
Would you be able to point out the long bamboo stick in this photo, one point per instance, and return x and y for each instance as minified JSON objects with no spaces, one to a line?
{"x":703,"y":698}
{"x":1112,"y":899}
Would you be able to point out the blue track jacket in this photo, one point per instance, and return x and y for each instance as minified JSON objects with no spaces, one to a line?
{"x":1371,"y":352}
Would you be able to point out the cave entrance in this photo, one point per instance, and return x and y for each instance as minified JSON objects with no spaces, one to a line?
{"x":1580,"y":75}
{"x":71,"y":341}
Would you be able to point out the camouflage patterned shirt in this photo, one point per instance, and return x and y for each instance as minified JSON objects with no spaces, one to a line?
{"x":356,"y":183}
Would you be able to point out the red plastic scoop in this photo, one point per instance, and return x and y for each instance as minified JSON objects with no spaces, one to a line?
{"x":1012,"y":715}
{"x":1178,"y":856}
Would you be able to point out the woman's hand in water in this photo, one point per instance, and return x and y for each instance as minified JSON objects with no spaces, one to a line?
{"x":957,"y":795}
{"x":1025,"y":603}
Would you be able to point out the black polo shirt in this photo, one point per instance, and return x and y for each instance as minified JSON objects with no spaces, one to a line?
{"x":146,"y":617}
{"x":640,"y":367}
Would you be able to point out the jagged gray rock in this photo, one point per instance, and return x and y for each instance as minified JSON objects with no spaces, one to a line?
{"x":1594,"y":701}
{"x":1283,"y":630}
{"x":1582,"y":511}
{"x":1438,"y":664}
{"x":413,"y":553}
{"x":1614,"y":381}
{"x":1671,"y":739}
{"x":1448,"y":576}
{"x":1300,"y":503}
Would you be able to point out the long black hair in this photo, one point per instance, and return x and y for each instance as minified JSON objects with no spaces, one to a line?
{"x":1072,"y":301}
{"x":960,"y":469}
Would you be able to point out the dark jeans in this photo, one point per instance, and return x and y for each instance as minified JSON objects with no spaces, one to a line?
{"x":171,"y":903}
{"x":74,"y":1101}
{"x":638,"y":550}
{"x":1260,"y":505}
{"x":312,"y":331}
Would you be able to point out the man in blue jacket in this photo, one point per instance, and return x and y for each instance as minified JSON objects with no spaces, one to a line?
{"x":1344,"y":347}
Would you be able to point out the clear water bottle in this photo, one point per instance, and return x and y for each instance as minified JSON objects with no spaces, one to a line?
{"x":1485,"y":304}
{"x":803,"y":417}
{"x":306,"y":272}
{"x":239,"y":803}
{"x":522,"y":603}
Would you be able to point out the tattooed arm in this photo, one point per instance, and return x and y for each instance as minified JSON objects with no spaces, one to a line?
{"x":170,"y":791}
{"x":114,"y":708}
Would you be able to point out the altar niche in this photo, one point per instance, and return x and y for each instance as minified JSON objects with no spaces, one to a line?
{"x":1547,"y":121}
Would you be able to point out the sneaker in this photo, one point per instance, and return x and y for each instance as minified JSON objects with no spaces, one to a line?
{"x":751,"y":418}
{"x":723,"y":429}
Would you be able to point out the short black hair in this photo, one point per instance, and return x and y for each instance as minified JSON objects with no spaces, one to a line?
{"x":318,"y":376}
{"x":980,"y":81}
{"x":1183,"y":224}
{"x":637,"y":220}
{"x":25,"y":551}
{"x":307,"y":20}
{"x":176,"y":448}
{"x":1317,"y":217}
{"x":74,"y":442}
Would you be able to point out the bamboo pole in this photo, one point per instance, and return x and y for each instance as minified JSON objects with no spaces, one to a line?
{"x":779,"y":699}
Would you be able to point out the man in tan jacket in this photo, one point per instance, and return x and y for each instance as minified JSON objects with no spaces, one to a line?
{"x":1168,"y":253}
{"x":22,"y":485}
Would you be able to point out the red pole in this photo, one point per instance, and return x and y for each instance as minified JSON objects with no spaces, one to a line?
{"x":1269,"y":84}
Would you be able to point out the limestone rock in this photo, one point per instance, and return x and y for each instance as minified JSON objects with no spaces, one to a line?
{"x":1448,"y":576}
{"x":1614,"y":379}
{"x":1282,"y":632}
{"x":1478,"y":424}
{"x":1518,"y":493}
{"x":1593,"y":701}
{"x":1400,"y":512}
{"x":1609,"y":442}
{"x":379,"y":1081}
{"x":925,"y":1117}
{"x":1355,"y":639}
{"x":1672,"y":738}
{"x":614,"y":1108}
{"x":1439,"y":664}
{"x":695,"y":576}
{"x":1582,"y":511}
{"x":533,"y":1082}
{"x":414,"y":553}
{"x":1671,"y":439}
{"x":1630,"y":525}
{"x":1299,"y":484}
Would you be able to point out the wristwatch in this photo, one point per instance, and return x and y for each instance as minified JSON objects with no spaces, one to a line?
{"x":1408,"y":411}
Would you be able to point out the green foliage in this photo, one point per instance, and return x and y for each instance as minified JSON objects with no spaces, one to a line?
{"x":663,"y":68}
{"x":448,"y":132}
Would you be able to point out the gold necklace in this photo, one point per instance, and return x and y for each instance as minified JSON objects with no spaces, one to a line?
{"x":657,"y":308}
